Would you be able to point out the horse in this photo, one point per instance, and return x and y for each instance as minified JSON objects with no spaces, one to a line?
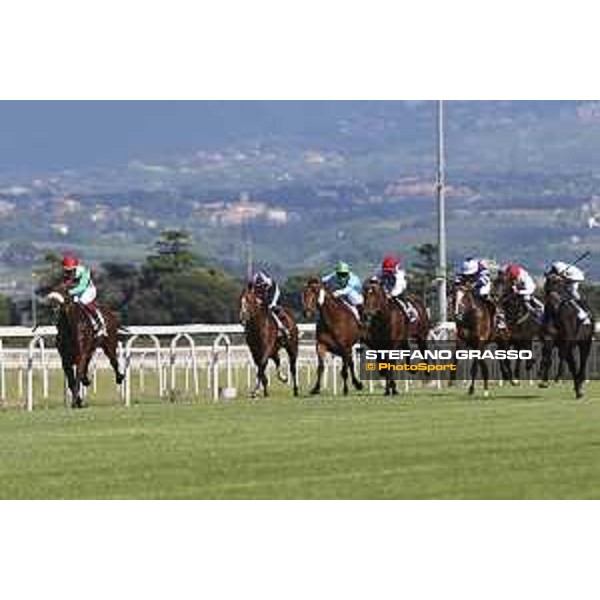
{"x":265,"y":340}
{"x":388,"y":328}
{"x":337,"y":331}
{"x":522,"y":329}
{"x":474,"y":328}
{"x":76,"y":342}
{"x":563,"y":329}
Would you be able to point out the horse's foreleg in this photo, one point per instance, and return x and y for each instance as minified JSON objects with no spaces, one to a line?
{"x":321,"y":351}
{"x":486,"y":377}
{"x":281,"y":376}
{"x":345,"y":374}
{"x":293,"y":358}
{"x":71,"y":381}
{"x":357,"y":383}
{"x":474,"y":369}
{"x":584,"y":353}
{"x":110,"y":350}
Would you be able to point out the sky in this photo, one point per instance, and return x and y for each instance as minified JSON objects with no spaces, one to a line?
{"x":49,"y":135}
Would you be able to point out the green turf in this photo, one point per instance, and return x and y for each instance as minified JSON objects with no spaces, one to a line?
{"x":521,"y":443}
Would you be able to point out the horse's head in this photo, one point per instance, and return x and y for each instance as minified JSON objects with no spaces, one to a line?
{"x":554,"y":284}
{"x":313,"y":296}
{"x":463,"y":298}
{"x":375,"y":298}
{"x":250,"y":304}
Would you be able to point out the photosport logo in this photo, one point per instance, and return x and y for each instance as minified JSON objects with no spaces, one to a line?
{"x":444,"y":360}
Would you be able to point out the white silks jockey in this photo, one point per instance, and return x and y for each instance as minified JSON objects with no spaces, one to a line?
{"x":572,"y":276}
{"x":81,"y":288}
{"x":476,"y":271}
{"x":523,"y":285}
{"x":268,"y":291}
{"x":393,"y":280}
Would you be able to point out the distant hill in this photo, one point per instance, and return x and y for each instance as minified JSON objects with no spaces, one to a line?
{"x":318,"y":180}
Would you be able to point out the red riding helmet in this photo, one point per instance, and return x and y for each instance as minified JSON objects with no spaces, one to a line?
{"x":513,"y":270}
{"x":389,"y":264}
{"x":69,"y":262}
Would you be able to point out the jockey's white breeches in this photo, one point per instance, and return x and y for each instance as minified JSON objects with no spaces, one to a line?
{"x":525,"y":287}
{"x":485,"y":290}
{"x":353,"y":297}
{"x":89,"y":295}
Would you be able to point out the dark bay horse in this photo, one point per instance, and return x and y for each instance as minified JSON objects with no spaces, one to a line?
{"x":265,"y":340}
{"x":474,"y":328}
{"x":522,"y":329}
{"x":388,"y":327}
{"x":337,"y":331}
{"x":564,"y":329}
{"x":76,"y":342}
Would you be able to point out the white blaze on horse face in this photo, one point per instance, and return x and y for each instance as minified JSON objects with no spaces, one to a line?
{"x":321,"y":297}
{"x":458,"y":298}
{"x":55,"y":297}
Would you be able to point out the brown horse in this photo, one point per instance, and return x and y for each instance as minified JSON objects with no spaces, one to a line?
{"x":265,"y":340}
{"x":337,"y":331}
{"x":563,"y":329}
{"x":522,"y":328}
{"x":474,"y":328}
{"x":76,"y":342}
{"x":388,"y":327}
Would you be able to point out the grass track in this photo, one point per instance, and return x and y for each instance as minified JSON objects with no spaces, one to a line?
{"x":521,"y":443}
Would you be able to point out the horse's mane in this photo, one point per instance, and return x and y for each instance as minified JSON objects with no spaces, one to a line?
{"x":314,"y":280}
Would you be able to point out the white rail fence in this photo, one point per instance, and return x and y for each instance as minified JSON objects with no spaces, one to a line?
{"x":170,"y":352}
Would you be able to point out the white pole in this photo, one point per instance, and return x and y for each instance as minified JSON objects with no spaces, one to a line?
{"x":441,"y":209}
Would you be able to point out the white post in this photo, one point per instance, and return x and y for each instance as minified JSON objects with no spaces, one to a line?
{"x":2,"y":373}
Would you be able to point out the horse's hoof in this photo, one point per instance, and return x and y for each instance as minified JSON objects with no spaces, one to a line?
{"x":295,"y":391}
{"x":120,"y":378}
{"x":471,"y":391}
{"x":86,"y":381}
{"x":515,"y":383}
{"x":543,"y":385}
{"x":395,"y":392}
{"x":315,"y":392}
{"x":486,"y":394}
{"x":579,"y":395}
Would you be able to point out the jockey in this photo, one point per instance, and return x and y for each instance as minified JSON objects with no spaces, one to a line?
{"x":572,"y":276}
{"x":476,"y":271}
{"x":393,"y":280}
{"x":523,"y":285}
{"x":268,"y":291}
{"x":78,"y":279}
{"x":347,"y":286}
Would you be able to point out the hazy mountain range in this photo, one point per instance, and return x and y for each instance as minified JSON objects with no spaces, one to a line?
{"x":319,"y":180}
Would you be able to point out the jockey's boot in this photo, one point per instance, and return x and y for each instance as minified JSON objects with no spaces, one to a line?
{"x":408,"y":309}
{"x":283,"y":331}
{"x":535,"y":307}
{"x":583,"y":316}
{"x":97,"y":318}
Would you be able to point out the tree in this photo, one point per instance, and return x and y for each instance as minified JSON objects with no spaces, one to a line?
{"x":172,"y":252}
{"x":423,"y":272}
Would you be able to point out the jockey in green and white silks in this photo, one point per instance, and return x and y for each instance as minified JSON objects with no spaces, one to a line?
{"x":347,"y":286}
{"x":81,"y":288}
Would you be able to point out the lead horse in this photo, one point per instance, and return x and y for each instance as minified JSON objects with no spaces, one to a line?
{"x":265,"y":340}
{"x":337,"y":331}
{"x":474,"y":329}
{"x":77,"y":343}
